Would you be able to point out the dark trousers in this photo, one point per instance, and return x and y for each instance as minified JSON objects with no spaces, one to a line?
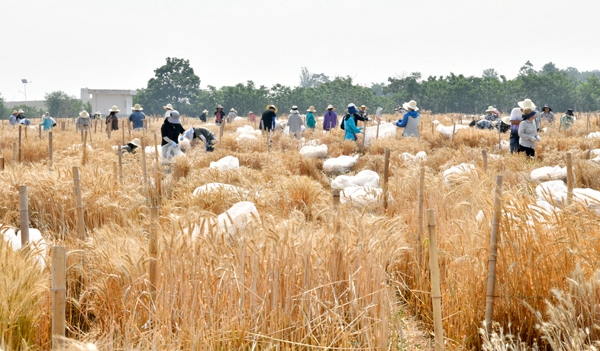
{"x":514,"y":141}
{"x":527,"y":150}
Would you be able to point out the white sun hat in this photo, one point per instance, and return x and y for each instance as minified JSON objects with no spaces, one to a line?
{"x":412,"y":104}
{"x":168,"y":107}
{"x":114,"y":109}
{"x":84,"y":114}
{"x":137,"y":107}
{"x":490,"y":109}
{"x":527,"y":103}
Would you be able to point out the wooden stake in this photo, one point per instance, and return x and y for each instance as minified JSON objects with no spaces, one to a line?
{"x":19,"y":143}
{"x":569,"y":178}
{"x":120,"y":164}
{"x":145,"y":171}
{"x":158,"y":171}
{"x":1,"y":163}
{"x":377,"y":133}
{"x":221,"y":128}
{"x":421,"y":217}
{"x":436,"y":295}
{"x":432,"y":127}
{"x":59,"y":291}
{"x":40,"y":129}
{"x":115,"y":174}
{"x":78,"y":204}
{"x":84,"y":152}
{"x":109,"y":128}
{"x":491,"y":284}
{"x":63,"y":126}
{"x":484,"y":156}
{"x":153,"y":250}
{"x":25,"y":132}
{"x":386,"y":175}
{"x":24,"y":214}
{"x":123,"y":130}
{"x":50,"y":150}
{"x":453,"y":133}
{"x":95,"y":126}
{"x":81,"y":131}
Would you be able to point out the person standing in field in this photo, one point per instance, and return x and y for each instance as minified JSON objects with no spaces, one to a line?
{"x":311,"y":121}
{"x":170,"y":132}
{"x":528,"y":105}
{"x":567,"y":120}
{"x":516,"y":117}
{"x":410,"y":120}
{"x":203,"y":116}
{"x":137,"y":117}
{"x":528,"y":133}
{"x":12,"y":120}
{"x":547,"y":114}
{"x":84,"y":121}
{"x":267,"y":120}
{"x":295,"y":122}
{"x":112,"y":121}
{"x":363,"y":112}
{"x":251,"y":117}
{"x":231,"y":115}
{"x":329,"y":119}
{"x":47,"y":121}
{"x":219,"y":115}
{"x":20,"y":115}
{"x":349,"y":123}
{"x":168,"y":110}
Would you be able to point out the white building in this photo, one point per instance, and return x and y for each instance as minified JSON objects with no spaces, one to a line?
{"x":104,"y":99}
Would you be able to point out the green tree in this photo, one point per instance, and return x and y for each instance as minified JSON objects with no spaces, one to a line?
{"x":312,"y":80}
{"x":589,"y":94}
{"x":61,"y":104}
{"x":4,"y":111}
{"x":174,"y":83}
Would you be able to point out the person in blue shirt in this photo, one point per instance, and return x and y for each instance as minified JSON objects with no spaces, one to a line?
{"x":137,"y":117}
{"x":350,"y":127}
{"x":13,"y":118}
{"x":410,"y":120}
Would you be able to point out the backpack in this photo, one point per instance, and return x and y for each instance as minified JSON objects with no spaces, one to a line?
{"x":346,"y":116}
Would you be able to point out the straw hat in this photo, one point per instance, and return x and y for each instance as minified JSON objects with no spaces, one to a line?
{"x":294,"y":109}
{"x":363,"y":107}
{"x":15,"y":112}
{"x":21,"y":111}
{"x":137,"y":107}
{"x":233,"y":110}
{"x":136,"y":142}
{"x":506,"y":120}
{"x":114,"y":109}
{"x":219,"y":106}
{"x":205,"y":111}
{"x":330,"y":107}
{"x":490,"y":109}
{"x":168,"y":107}
{"x":272,"y":106}
{"x":250,"y":112}
{"x":412,"y":104}
{"x":84,"y":114}
{"x":311,"y":109}
{"x":527,"y":103}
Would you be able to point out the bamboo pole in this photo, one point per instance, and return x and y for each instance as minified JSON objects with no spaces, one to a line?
{"x":153,"y":250}
{"x":19,"y":143}
{"x":40,"y":130}
{"x":1,"y":163}
{"x":109,"y":128}
{"x":120,"y":164}
{"x":569,"y":178}
{"x":95,"y":126}
{"x":50,"y":150}
{"x":59,"y":291}
{"x":436,"y":295}
{"x":158,"y":172}
{"x":25,"y":132}
{"x":377,"y":133}
{"x":78,"y":204}
{"x":491,"y":283}
{"x":386,"y":175}
{"x":145,"y":171}
{"x":421,"y":217}
{"x":484,"y":156}
{"x":84,"y":151}
{"x":62,"y":126}
{"x":14,"y":153}
{"x":81,"y":132}
{"x":432,"y":127}
{"x":123,"y":130}
{"x":453,"y":133}
{"x":24,"y":215}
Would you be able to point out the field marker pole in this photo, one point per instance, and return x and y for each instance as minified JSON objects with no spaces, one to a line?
{"x":40,"y":129}
{"x":120,"y":164}
{"x":78,"y":204}
{"x":386,"y":175}
{"x":24,"y":214}
{"x":153,"y":250}
{"x":432,"y":127}
{"x":25,"y":132}
{"x":587,"y":127}
{"x":59,"y":291}
{"x":109,"y":128}
{"x":50,"y":151}
{"x":158,"y":171}
{"x":453,"y":133}
{"x":484,"y":156}
{"x":123,"y":130}
{"x":421,"y":218}
{"x":491,"y":283}
{"x":129,"y":129}
{"x":19,"y":143}
{"x":569,"y":178}
{"x":84,"y":152}
{"x":115,"y":172}
{"x":81,"y":130}
{"x":436,"y":295}
{"x":145,"y":170}
{"x":1,"y":163}
{"x":377,"y":133}
{"x":95,"y":126}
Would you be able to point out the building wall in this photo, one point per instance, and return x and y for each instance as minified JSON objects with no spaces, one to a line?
{"x":104,"y":102}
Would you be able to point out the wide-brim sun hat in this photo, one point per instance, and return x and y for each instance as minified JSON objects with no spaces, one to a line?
{"x":311,"y":109}
{"x":272,"y":106}
{"x":137,"y":107}
{"x":21,"y":111}
{"x":250,"y":112}
{"x":294,"y":109}
{"x":84,"y":114}
{"x":506,"y":120}
{"x":490,"y":109}
{"x":233,"y":110}
{"x":114,"y":109}
{"x":219,"y":106}
{"x":168,"y":107}
{"x":527,"y":103}
{"x":412,"y":104}
{"x":546,"y":106}
{"x":205,"y":111}
{"x":136,"y":142}
{"x":351,"y":104}
{"x":330,"y":107}
{"x":174,"y":117}
{"x":569,"y":112}
{"x":15,"y":111}
{"x":365,"y":107}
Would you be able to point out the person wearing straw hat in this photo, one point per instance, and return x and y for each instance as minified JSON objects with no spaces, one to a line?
{"x":231,"y":115}
{"x":47,"y":121}
{"x":329,"y":118}
{"x":168,"y":108}
{"x":547,"y":114}
{"x":295,"y":122}
{"x":112,"y":119}
{"x":362,"y":111}
{"x":219,"y":115}
{"x":137,"y":117}
{"x":410,"y":120}
{"x":529,"y":107}
{"x":83,"y":121}
{"x":170,"y":132}
{"x":131,"y":146}
{"x":12,"y":120}
{"x":267,"y":120}
{"x":311,"y":121}
{"x":251,"y":117}
{"x":194,"y":135}
{"x":567,"y":120}
{"x":203,"y":116}
{"x":20,"y":115}
{"x":528,"y":133}
{"x":97,"y":115}
{"x":491,"y":115}
{"x":504,"y":125}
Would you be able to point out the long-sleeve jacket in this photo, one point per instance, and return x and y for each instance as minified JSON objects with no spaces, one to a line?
{"x":295,"y":123}
{"x":329,"y":120}
{"x":528,"y":133}
{"x":310,"y":120}
{"x":113,"y":120}
{"x":350,"y":128}
{"x":84,"y":123}
{"x":410,"y":123}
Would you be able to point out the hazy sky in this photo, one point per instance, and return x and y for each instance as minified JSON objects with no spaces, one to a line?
{"x":70,"y":44}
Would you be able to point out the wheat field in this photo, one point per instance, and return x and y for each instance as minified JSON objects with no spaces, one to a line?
{"x":310,"y":274}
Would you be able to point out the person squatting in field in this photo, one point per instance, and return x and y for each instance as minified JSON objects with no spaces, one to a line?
{"x":329,"y":119}
{"x":492,"y":114}
{"x":170,"y":132}
{"x":528,"y":133}
{"x":295,"y":122}
{"x":410,"y":120}
{"x":267,"y":121}
{"x":137,"y":117}
{"x":348,"y":121}
{"x":194,"y":135}
{"x":131,"y":146}
{"x":84,"y":122}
